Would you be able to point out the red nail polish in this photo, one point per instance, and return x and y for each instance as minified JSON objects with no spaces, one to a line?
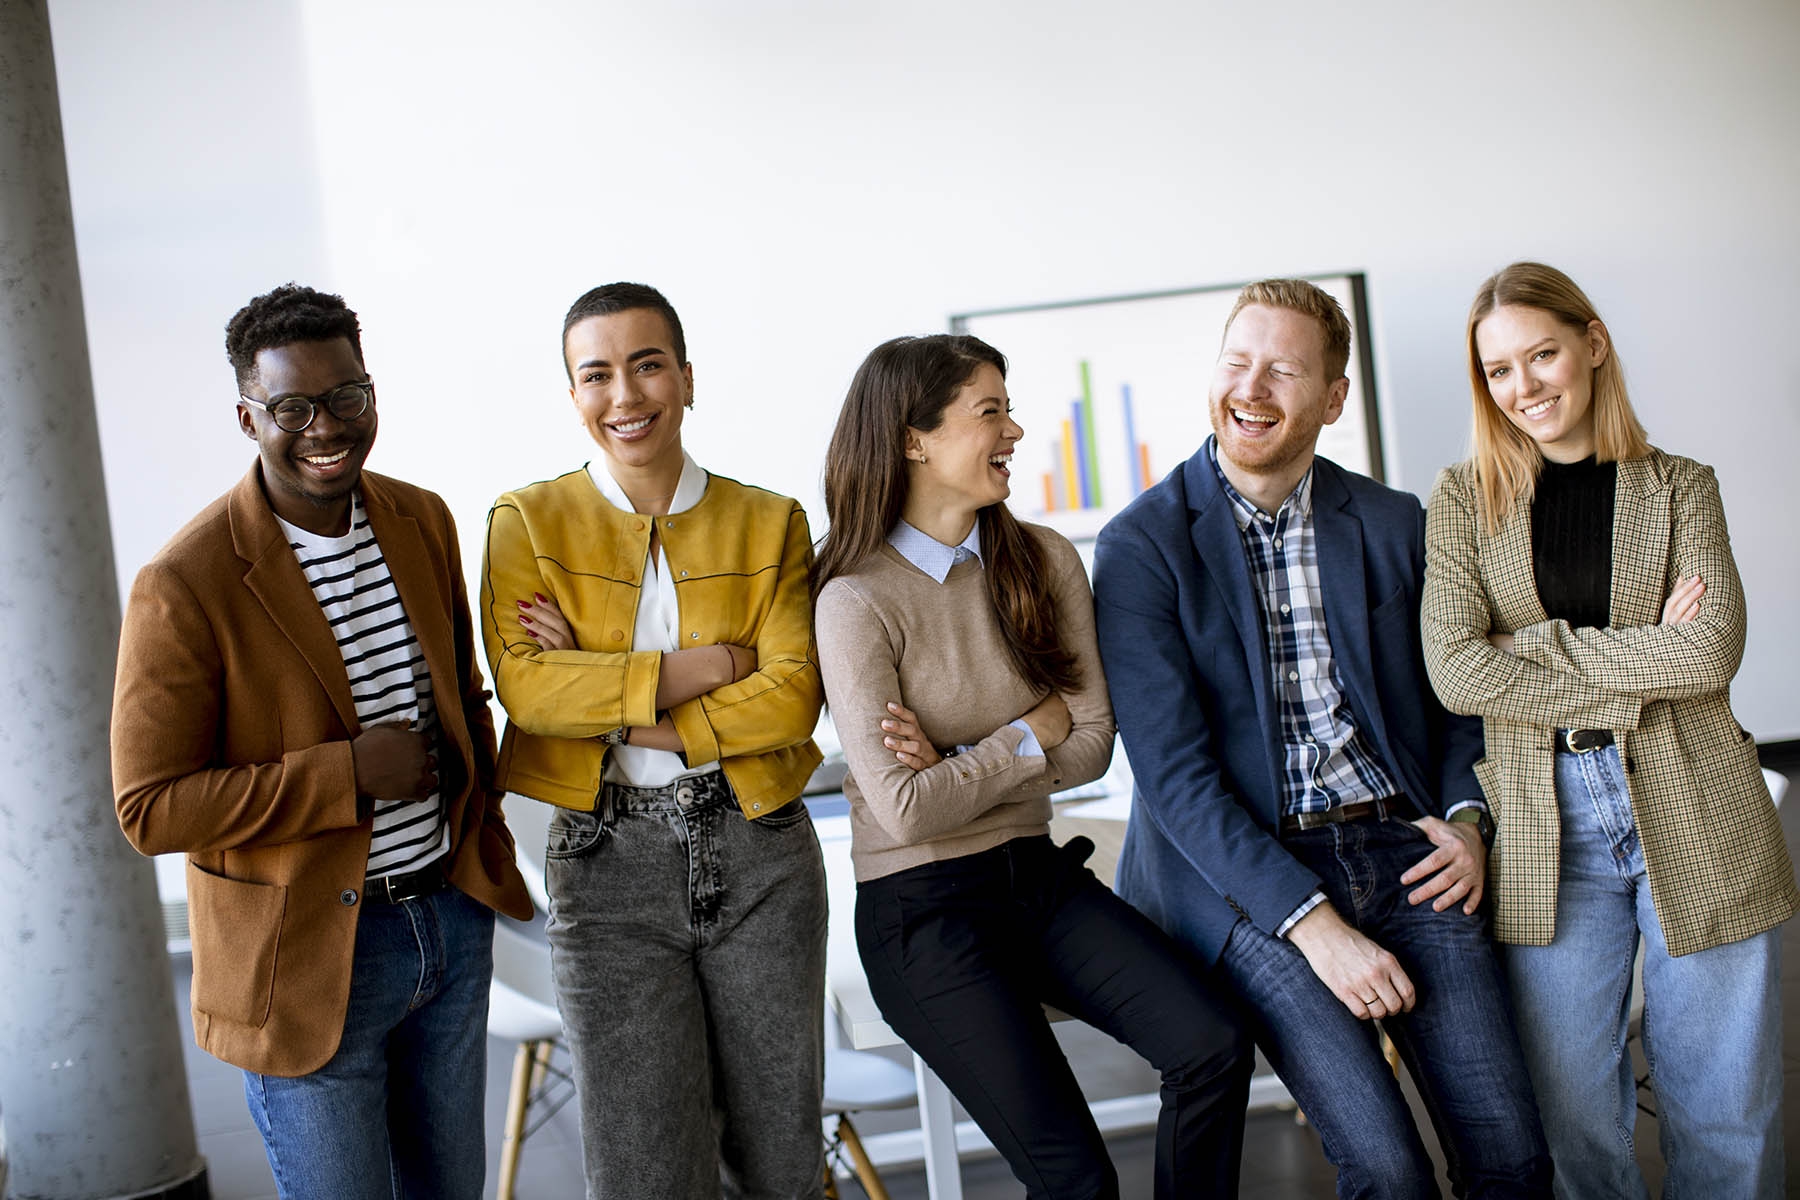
{"x":542,"y":599}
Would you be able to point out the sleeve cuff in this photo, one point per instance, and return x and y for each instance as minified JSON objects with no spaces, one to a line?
{"x":643,"y":671}
{"x":1311,"y":902}
{"x":1478,"y":805}
{"x":1028,"y":745}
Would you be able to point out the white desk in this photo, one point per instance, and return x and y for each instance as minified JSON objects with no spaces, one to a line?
{"x":848,"y":991}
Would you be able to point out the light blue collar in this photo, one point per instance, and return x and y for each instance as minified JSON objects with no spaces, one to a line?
{"x":930,"y":555}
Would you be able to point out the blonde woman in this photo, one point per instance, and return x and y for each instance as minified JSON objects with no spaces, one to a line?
{"x":1581,"y":597}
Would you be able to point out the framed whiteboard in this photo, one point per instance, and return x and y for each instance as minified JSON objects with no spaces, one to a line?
{"x":1112,"y":394}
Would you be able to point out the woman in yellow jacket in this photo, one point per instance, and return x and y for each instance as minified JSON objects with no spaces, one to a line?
{"x":1580,"y":595}
{"x":650,"y":638}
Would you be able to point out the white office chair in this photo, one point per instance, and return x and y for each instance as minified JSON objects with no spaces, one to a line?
{"x":522,"y":999}
{"x":1778,"y":786}
{"x":858,"y":1081}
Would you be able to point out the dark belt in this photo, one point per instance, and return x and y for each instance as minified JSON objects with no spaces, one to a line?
{"x":1363,"y":810}
{"x":1583,"y":741}
{"x":392,"y":889}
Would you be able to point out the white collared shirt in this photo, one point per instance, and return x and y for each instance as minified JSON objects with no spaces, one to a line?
{"x":657,"y":626}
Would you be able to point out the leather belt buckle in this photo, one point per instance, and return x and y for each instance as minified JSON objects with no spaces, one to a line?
{"x":1583,"y":741}
{"x":394,"y":889}
{"x":1364,"y":810}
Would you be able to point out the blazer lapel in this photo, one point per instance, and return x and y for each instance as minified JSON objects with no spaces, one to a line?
{"x":1640,"y":546}
{"x":1220,"y":547}
{"x":1338,"y":535}
{"x":274,"y":578}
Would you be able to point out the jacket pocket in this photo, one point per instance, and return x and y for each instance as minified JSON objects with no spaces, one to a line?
{"x":236,"y":928}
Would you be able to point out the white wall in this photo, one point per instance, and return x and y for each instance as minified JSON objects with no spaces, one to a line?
{"x":806,"y":178}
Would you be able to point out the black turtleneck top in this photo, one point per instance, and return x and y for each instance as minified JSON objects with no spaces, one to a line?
{"x":1571,"y":540}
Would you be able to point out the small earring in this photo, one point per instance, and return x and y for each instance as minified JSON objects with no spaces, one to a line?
{"x":690,"y":402}
{"x":921,"y":460}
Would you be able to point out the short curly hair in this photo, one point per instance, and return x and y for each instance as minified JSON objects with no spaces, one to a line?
{"x":287,"y":314}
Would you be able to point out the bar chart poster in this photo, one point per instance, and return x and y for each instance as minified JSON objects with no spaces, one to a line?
{"x":1112,"y":394}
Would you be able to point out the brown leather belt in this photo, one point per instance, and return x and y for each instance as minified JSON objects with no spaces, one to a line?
{"x":1363,"y":810}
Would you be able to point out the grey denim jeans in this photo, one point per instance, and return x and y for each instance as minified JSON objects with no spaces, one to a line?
{"x":688,"y":947}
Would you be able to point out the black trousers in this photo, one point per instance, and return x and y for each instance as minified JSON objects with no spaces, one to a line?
{"x":962,"y":955}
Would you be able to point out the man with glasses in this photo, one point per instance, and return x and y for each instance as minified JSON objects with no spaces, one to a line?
{"x":298,"y":709}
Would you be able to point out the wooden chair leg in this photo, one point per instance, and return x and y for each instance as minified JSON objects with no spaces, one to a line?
{"x":518,"y":1099}
{"x":859,"y":1158}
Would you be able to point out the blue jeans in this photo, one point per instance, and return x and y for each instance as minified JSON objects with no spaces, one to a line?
{"x":1457,"y":1041}
{"x":688,"y":949}
{"x":396,"y":1114}
{"x":1712,"y":1020}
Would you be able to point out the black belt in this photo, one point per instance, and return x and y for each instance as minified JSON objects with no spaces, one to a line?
{"x":1363,"y":810}
{"x":392,"y":889}
{"x":1583,"y":741}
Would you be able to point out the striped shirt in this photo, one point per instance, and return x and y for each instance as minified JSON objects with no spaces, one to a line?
{"x":1327,"y":762}
{"x":388,"y":678}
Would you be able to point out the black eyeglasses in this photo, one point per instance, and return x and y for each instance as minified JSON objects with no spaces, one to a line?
{"x":346,"y":402}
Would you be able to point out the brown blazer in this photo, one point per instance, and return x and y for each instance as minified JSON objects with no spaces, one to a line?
{"x":231,"y":729}
{"x":1713,"y":848}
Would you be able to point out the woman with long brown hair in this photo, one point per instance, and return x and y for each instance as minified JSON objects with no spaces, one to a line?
{"x":1580,"y":595}
{"x":958,"y":653}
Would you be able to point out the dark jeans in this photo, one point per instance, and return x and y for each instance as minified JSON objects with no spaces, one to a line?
{"x":1458,"y":1041}
{"x":962,"y":955}
{"x":688,"y":948}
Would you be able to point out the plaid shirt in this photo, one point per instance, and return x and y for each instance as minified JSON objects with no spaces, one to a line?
{"x":1326,"y":762}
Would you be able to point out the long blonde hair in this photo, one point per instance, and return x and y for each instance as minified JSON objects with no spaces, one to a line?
{"x":1507,"y":461}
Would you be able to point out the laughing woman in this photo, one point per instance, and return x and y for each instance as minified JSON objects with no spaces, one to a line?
{"x":1580,"y":595}
{"x":958,"y":652}
{"x":648,"y":628}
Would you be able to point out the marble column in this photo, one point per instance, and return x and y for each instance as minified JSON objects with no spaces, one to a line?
{"x":91,"y":1076}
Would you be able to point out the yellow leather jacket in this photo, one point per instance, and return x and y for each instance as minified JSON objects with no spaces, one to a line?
{"x":739,"y":559}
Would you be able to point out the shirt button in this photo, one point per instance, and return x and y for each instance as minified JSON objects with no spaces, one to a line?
{"x":637,"y":525}
{"x":1278,"y":543}
{"x":1293,"y":677}
{"x":668,"y":524}
{"x":1308,"y":737}
{"x":618,"y":635}
{"x":684,"y":574}
{"x":695,"y":635}
{"x":347,"y":896}
{"x":755,"y":807}
{"x":1285,"y":610}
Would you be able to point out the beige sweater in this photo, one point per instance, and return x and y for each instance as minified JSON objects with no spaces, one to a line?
{"x":888,"y":631}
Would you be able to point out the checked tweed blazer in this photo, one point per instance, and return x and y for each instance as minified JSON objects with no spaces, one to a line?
{"x":1718,"y":866}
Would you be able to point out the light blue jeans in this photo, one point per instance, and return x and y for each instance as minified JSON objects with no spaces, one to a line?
{"x":1712,"y":1020}
{"x":396,"y":1114}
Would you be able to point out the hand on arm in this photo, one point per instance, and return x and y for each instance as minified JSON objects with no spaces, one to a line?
{"x":1367,"y":979}
{"x":1455,"y":870}
{"x":1683,"y":604}
{"x":1050,"y":721}
{"x":904,"y":737}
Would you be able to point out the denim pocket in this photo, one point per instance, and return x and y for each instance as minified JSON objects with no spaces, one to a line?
{"x":792,"y":813}
{"x":573,"y":834}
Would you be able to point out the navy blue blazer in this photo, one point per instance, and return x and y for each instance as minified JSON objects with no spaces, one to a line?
{"x":1182,"y":640}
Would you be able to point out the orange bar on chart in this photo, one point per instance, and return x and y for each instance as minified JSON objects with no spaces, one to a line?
{"x":1144,"y":465}
{"x":1049,"y":493}
{"x":1071,"y":473}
